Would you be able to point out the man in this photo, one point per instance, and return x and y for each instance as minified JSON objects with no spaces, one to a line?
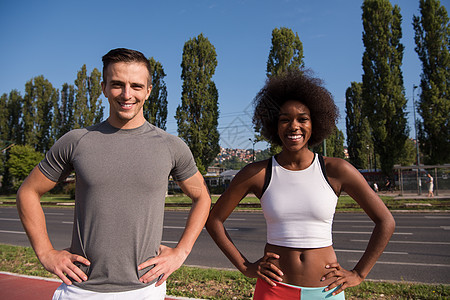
{"x":122,"y":167}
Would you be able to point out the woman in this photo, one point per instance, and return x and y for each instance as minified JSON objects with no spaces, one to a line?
{"x":430,"y":185}
{"x":298,"y":190}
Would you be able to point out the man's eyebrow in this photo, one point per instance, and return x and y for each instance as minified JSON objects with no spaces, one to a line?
{"x":116,"y":82}
{"x":137,"y":84}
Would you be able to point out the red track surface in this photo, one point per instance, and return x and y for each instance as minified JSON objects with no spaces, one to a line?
{"x":16,"y":287}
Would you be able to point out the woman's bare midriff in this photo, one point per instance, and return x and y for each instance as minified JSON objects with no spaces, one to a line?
{"x":303,"y":266}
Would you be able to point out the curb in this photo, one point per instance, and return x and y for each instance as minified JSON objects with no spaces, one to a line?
{"x":31,"y":277}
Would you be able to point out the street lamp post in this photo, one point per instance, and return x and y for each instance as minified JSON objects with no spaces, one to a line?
{"x":253,"y":148}
{"x":419,"y":185}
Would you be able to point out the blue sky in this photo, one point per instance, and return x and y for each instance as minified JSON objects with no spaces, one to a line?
{"x":55,"y":38}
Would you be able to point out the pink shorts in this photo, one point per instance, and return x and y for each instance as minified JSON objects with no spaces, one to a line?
{"x":283,"y":291}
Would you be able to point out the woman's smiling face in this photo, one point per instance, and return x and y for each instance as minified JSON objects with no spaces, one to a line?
{"x":294,"y":125}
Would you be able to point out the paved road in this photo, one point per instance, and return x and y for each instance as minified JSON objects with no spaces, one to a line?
{"x":418,"y":252}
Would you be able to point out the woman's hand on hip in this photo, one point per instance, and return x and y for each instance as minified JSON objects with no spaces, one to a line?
{"x":343,"y":278}
{"x":265,"y":269}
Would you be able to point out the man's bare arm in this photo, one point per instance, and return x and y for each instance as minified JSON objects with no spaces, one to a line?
{"x":170,"y":259}
{"x":33,"y":220}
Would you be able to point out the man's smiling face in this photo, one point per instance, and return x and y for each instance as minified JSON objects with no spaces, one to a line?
{"x":127,"y":89}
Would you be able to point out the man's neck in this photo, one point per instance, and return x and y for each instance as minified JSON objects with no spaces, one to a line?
{"x":132,"y":124}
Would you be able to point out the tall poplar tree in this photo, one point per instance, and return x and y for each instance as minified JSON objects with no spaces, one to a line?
{"x":432,"y":32}
{"x":408,"y":157}
{"x":155,"y":108}
{"x":383,"y":90}
{"x":95,"y":91}
{"x":28,"y":112}
{"x":81,"y":101}
{"x":3,"y":116}
{"x":37,"y":113}
{"x":10,"y":133}
{"x":197,"y":116}
{"x":88,"y":108}
{"x":64,"y":120}
{"x":4,"y":143}
{"x":3,"y":129}
{"x":359,"y":142}
{"x":10,"y":116}
{"x":286,"y":52}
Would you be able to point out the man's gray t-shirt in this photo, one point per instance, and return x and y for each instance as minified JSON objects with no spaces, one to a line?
{"x":121,"y":182}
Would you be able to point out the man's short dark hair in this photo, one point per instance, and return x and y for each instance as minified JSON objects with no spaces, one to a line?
{"x":128,"y":56}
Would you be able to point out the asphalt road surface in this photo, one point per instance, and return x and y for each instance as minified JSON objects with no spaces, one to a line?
{"x":419,"y":250}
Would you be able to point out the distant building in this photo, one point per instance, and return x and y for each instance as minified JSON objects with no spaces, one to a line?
{"x":227,"y":176}
{"x":225,"y":154}
{"x":213,"y":170}
{"x":218,"y":183}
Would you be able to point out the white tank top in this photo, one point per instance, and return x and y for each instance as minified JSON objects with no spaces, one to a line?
{"x":299,"y":207}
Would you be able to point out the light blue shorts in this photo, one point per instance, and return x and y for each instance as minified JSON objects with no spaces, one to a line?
{"x":71,"y":292}
{"x":283,"y":291}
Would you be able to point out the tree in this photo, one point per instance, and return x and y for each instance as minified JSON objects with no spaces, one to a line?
{"x":64,"y":119}
{"x":14,"y":127}
{"x":337,"y":140}
{"x":28,"y":112}
{"x":37,"y":113}
{"x":286,"y":52}
{"x":155,"y":108}
{"x":10,"y":133}
{"x":3,"y":129}
{"x":383,"y":90}
{"x":262,"y":155}
{"x":359,"y":142}
{"x":334,"y":144}
{"x":95,"y":91}
{"x":4,"y":117}
{"x":234,"y":163}
{"x":88,"y":109}
{"x":197,"y":116}
{"x":432,"y":33}
{"x":21,"y":161}
{"x":408,"y":157}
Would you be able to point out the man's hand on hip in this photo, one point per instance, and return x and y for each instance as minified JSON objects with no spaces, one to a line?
{"x":61,"y":263}
{"x":167,"y":262}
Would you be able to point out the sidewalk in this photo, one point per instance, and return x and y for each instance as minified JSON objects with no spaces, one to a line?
{"x":20,"y":287}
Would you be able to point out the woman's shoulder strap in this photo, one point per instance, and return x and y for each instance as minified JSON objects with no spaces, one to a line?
{"x":322,"y":166}
{"x":267,"y":176}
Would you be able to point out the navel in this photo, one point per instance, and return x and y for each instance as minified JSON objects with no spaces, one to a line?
{"x":302,"y":257}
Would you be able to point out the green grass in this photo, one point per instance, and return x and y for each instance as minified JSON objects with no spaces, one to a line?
{"x":45,"y":199}
{"x":345,"y":203}
{"x":21,"y":260}
{"x":224,"y":284}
